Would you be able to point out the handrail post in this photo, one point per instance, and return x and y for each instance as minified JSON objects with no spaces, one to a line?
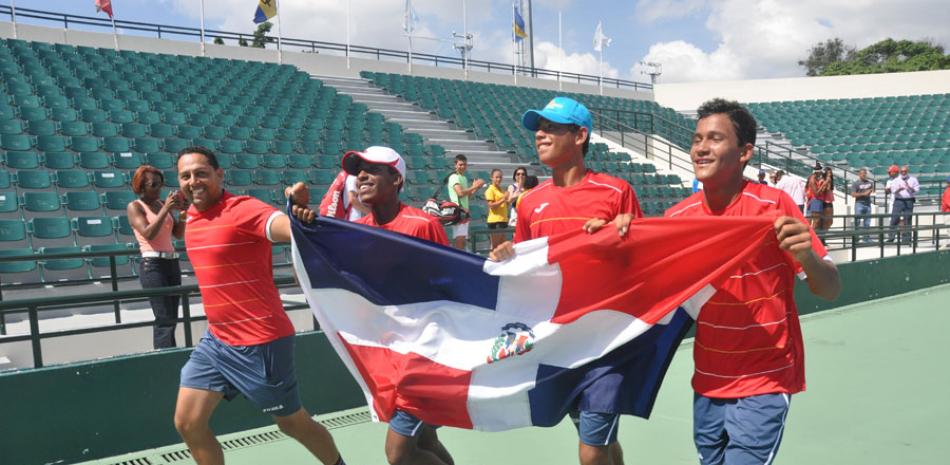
{"x":115,"y":287}
{"x":186,"y":318}
{"x":35,"y":337}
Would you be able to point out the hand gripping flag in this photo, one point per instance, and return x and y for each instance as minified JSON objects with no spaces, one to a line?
{"x":573,"y":321}
{"x":266,"y":9}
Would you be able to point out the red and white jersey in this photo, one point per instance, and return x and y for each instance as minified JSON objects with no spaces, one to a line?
{"x":548,"y":209}
{"x":413,"y":222}
{"x":230,"y":251}
{"x":748,"y":338}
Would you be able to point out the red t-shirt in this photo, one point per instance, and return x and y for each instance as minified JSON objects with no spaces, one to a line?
{"x":230,"y":251}
{"x":945,"y":201}
{"x":748,"y":339}
{"x":413,"y":222}
{"x":548,"y":209}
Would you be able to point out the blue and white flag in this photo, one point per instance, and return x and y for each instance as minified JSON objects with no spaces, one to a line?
{"x":573,"y":321}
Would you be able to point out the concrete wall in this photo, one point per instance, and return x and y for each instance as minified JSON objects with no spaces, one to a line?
{"x":688,"y":96}
{"x":323,"y":63}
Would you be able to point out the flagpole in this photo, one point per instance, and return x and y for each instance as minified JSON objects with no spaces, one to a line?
{"x":348,"y":2}
{"x":13,"y":13}
{"x":600,"y":68}
{"x":115,"y":32}
{"x":465,"y":49}
{"x":514,"y":43}
{"x":409,"y":28}
{"x":202,"y":27}
{"x":560,"y":47}
{"x":280,"y":22}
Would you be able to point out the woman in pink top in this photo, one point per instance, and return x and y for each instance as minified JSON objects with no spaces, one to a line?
{"x":153,"y":223}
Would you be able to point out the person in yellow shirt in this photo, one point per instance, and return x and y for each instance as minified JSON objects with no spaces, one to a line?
{"x":497,"y":200}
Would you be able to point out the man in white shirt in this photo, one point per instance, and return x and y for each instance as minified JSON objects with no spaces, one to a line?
{"x":904,"y":189}
{"x":795,"y":188}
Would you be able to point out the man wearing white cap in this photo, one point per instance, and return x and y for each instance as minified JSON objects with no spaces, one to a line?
{"x":380,"y":174}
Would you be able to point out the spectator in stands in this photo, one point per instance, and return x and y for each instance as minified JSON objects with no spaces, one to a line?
{"x":530,"y":182}
{"x":904,"y":189}
{"x":762,"y":180}
{"x":249,"y":345}
{"x":498,"y":201}
{"x":828,"y":200}
{"x":945,"y":207}
{"x":380,"y":173}
{"x":861,"y":190}
{"x":792,"y":186}
{"x":154,"y":222}
{"x":815,"y":197}
{"x":748,"y":351}
{"x":575,"y":197}
{"x":460,"y":192}
{"x":514,"y":191}
{"x":892,"y":172}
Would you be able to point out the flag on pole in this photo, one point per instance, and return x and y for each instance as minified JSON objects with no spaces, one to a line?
{"x":519,"y":29}
{"x":266,"y":9}
{"x":104,"y":5}
{"x":601,"y":41}
{"x":573,"y":320}
{"x":409,"y":18}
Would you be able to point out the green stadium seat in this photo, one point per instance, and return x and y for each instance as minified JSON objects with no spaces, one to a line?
{"x":118,"y":200}
{"x":147,"y":144}
{"x":238,"y":178}
{"x":63,"y":264}
{"x":9,"y":203}
{"x":41,"y":202}
{"x":174,"y":144}
{"x":171,"y":177}
{"x":56,"y":227}
{"x":51,"y":143}
{"x":11,"y":126}
{"x":82,"y":201}
{"x":94,"y":160}
{"x":33,"y":114}
{"x":246,"y":161}
{"x":72,"y":179}
{"x":91,"y":227}
{"x":5,"y":179}
{"x":16,"y":142}
{"x":34,"y":179}
{"x":290,"y":177}
{"x":231,"y":146}
{"x":267,"y":177}
{"x":84,"y":144}
{"x":134,"y":129}
{"x":22,"y":266}
{"x":116,"y":144}
{"x":127,"y":160}
{"x":123,"y":228}
{"x":23,"y":160}
{"x":103,"y":262}
{"x":107,"y":179}
{"x":257,"y":146}
{"x":274,"y":161}
{"x":105,"y":129}
{"x":42,"y":127}
{"x":64,"y":114}
{"x":262,"y":194}
{"x":301,"y":161}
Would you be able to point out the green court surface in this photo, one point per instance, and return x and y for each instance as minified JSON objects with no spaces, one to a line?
{"x":877,"y":394}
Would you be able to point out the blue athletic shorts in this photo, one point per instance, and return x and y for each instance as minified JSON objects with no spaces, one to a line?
{"x":406,"y":424}
{"x":596,"y":429}
{"x":816,"y":206}
{"x":263,"y":373}
{"x":742,"y":431}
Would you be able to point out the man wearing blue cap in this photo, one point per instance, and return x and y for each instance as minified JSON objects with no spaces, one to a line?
{"x":576,"y":197}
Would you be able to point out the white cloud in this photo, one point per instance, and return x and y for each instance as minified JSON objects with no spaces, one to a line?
{"x":651,"y":10}
{"x":548,"y":56}
{"x":766,"y":38}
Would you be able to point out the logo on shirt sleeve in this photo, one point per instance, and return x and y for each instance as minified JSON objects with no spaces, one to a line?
{"x":541,"y":207}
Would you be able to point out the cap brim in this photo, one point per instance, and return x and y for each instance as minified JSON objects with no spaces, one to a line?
{"x":351,"y":162}
{"x":531,"y":119}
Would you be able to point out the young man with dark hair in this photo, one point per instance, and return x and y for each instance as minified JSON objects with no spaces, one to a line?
{"x":861,"y":190}
{"x":748,"y":350}
{"x":380,"y":174}
{"x":249,"y":346}
{"x":575,"y":197}
{"x":460,"y":192}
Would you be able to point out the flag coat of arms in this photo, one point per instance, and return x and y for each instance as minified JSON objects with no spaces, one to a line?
{"x":572,"y":321}
{"x":266,"y":9}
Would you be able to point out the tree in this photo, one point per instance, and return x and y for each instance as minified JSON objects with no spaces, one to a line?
{"x":260,"y":35}
{"x":242,"y":42}
{"x":825,"y":54}
{"x":886,"y":56}
{"x":218,"y":41}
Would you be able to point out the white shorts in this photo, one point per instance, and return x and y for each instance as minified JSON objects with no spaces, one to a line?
{"x":460,"y":230}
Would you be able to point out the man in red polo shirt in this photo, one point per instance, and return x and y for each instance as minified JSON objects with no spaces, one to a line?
{"x":380,"y":173}
{"x":249,"y":346}
{"x":748,"y":350}
{"x":575,"y":197}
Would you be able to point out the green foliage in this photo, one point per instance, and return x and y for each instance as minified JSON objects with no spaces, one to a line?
{"x":832,"y":58}
{"x":260,"y":35}
{"x":218,"y":41}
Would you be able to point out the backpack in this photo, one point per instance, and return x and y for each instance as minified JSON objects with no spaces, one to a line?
{"x":448,"y":213}
{"x":332,"y":203}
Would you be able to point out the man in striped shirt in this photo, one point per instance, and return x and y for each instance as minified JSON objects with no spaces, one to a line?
{"x":249,"y":346}
{"x":748,"y":350}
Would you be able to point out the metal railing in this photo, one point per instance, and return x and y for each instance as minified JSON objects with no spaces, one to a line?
{"x":315,"y":46}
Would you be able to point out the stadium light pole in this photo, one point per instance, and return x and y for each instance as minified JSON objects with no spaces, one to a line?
{"x":514,"y":44}
{"x":202,"y":27}
{"x":280,"y":22}
{"x":348,"y":2}
{"x":560,"y":46}
{"x":531,"y":36}
{"x":465,"y":39}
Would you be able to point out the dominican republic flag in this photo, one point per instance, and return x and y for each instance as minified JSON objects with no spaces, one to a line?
{"x":574,"y":320}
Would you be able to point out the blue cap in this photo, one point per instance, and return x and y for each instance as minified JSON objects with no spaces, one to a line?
{"x":948,"y":178}
{"x":561,"y":110}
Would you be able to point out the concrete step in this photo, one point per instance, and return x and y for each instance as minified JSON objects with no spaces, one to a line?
{"x":343,"y":81}
{"x":416,"y":123}
{"x":407,"y":114}
{"x":351,"y":90}
{"x":376,"y":105}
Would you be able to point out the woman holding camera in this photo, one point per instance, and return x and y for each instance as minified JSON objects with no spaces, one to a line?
{"x":154,"y":222}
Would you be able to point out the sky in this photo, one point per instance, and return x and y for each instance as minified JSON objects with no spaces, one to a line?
{"x":691,"y":40}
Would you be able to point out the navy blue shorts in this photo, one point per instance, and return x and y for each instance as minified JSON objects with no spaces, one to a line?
{"x":816,"y":206}
{"x":406,"y":424}
{"x":596,"y":429}
{"x":742,"y":431}
{"x":263,"y":373}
